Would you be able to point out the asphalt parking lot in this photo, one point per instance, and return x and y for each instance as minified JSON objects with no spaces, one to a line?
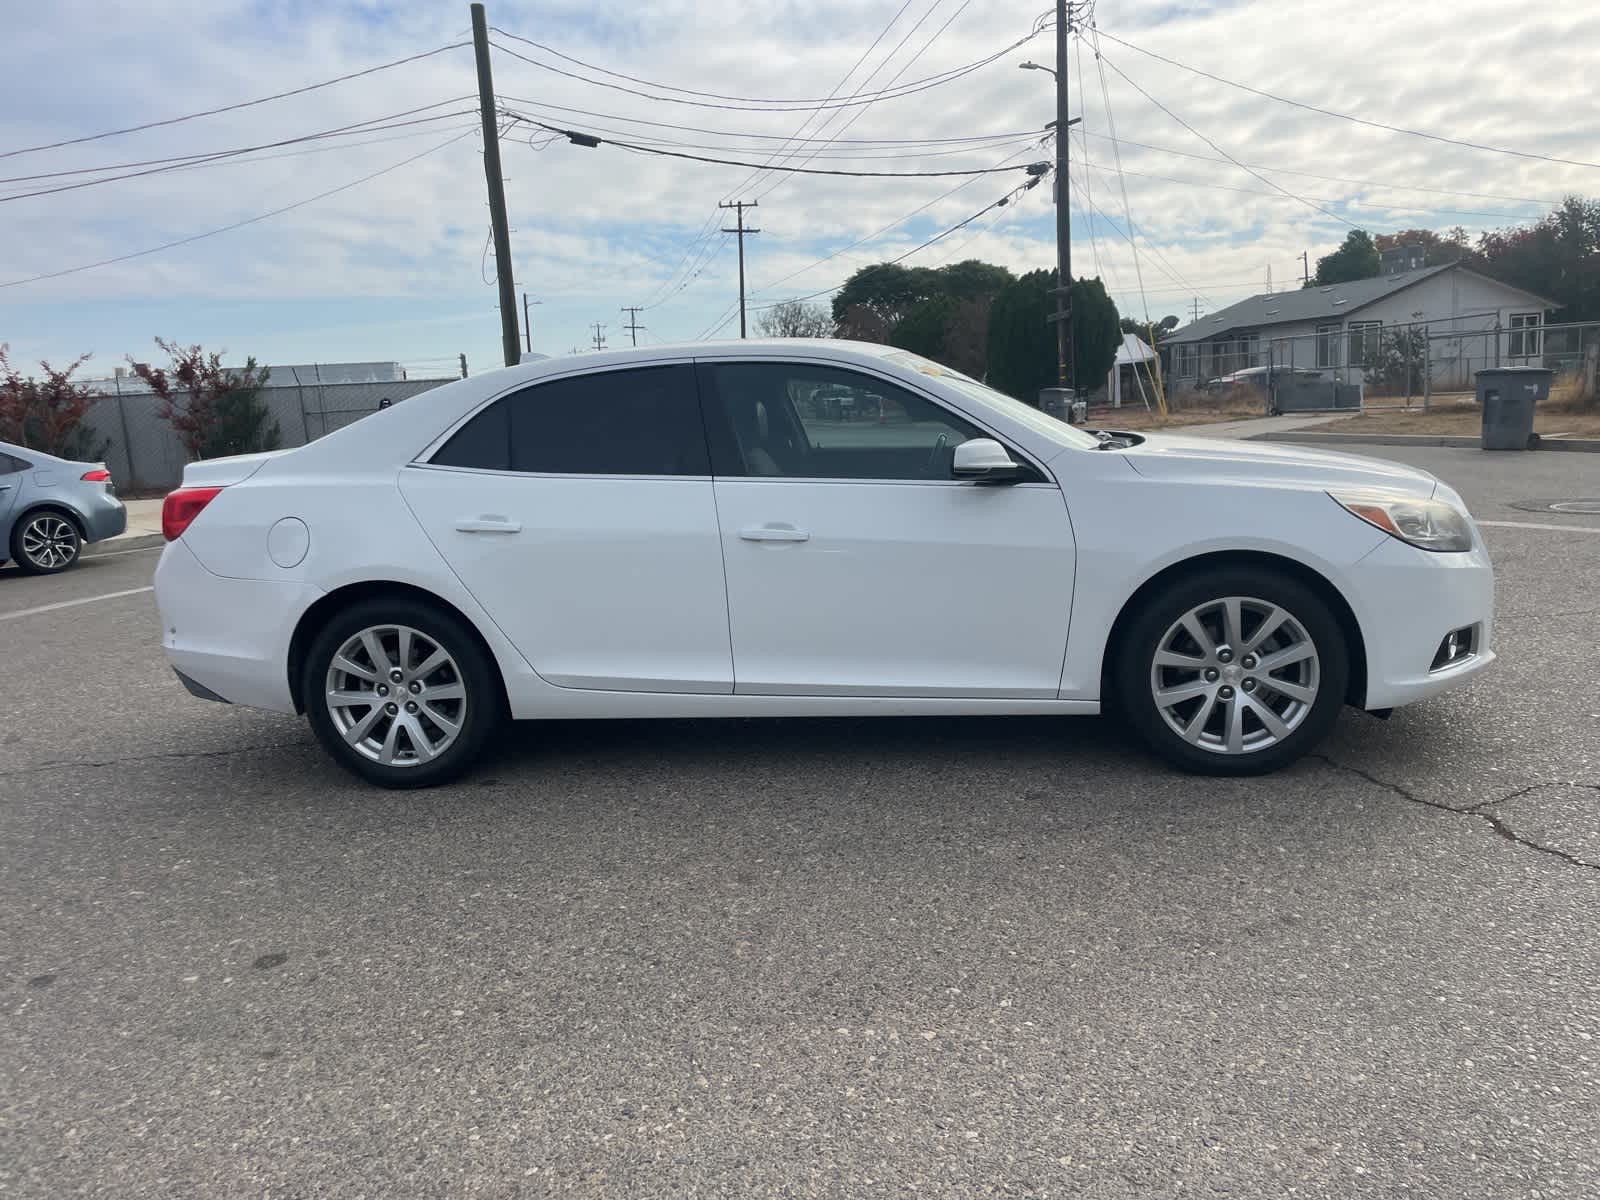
{"x":836,"y":958}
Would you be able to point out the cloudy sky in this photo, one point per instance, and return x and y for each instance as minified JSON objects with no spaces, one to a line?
{"x":396,"y":267}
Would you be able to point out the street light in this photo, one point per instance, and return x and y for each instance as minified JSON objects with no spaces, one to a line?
{"x":1033,"y":66}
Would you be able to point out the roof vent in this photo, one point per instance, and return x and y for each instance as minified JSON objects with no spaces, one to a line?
{"x":1272,"y":312}
{"x":1339,"y":301}
{"x":1327,"y":291}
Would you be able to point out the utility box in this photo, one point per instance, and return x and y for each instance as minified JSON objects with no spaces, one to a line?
{"x":1508,"y":397}
{"x":1057,"y":401}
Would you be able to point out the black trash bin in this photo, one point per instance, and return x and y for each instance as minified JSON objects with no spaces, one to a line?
{"x":1508,"y":396}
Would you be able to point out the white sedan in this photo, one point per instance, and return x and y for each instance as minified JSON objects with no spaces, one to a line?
{"x":697,"y":532}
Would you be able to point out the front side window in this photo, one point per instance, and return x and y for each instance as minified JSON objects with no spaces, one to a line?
{"x":637,"y":422}
{"x":813,"y":421}
{"x":1525,"y":335}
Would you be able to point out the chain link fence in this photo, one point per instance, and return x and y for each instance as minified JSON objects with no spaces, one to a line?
{"x":1370,"y":365}
{"x":143,"y":451}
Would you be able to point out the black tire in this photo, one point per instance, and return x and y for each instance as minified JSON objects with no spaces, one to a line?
{"x":1131,"y":675}
{"x":484,"y":702}
{"x":64,"y":540}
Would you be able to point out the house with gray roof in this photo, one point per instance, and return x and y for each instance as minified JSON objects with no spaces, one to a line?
{"x":1337,"y":329}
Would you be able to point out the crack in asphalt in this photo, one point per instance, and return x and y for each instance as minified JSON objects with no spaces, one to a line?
{"x":1479,"y":810}
{"x":176,"y":756}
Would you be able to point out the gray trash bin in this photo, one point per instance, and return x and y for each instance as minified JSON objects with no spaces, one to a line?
{"x":1057,"y":401}
{"x":1507,"y":396}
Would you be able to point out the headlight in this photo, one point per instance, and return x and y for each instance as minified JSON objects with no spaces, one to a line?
{"x":1425,"y":524}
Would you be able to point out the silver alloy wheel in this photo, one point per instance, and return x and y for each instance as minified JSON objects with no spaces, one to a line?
{"x":49,"y":541}
{"x":1235,"y":675}
{"x":396,"y":696}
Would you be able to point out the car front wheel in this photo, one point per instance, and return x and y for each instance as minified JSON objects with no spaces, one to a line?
{"x":44,"y":543}
{"x":1235,"y":671}
{"x":401,"y":693}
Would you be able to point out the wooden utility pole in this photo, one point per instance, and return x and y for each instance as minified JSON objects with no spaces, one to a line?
{"x":633,"y":326}
{"x":739,"y":206}
{"x":510,"y":342}
{"x":1063,"y":313}
{"x":599,"y":336}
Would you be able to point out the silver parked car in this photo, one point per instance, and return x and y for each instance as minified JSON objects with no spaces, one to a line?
{"x":50,"y":507}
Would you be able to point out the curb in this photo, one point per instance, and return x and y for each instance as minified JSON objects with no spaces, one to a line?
{"x":1590,"y":445}
{"x":126,"y":542}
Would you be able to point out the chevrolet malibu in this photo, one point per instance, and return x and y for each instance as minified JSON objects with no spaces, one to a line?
{"x":709,"y":531}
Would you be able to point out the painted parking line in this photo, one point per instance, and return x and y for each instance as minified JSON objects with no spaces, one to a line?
{"x":1537,"y":525}
{"x":119,"y":553}
{"x":44,"y":608}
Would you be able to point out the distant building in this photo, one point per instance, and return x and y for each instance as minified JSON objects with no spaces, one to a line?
{"x":1335,"y":329}
{"x":125,"y":382}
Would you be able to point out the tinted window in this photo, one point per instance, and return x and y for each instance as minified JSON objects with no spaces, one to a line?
{"x":10,"y":465}
{"x":809,"y":421}
{"x":643,"y":422}
{"x":483,"y":442}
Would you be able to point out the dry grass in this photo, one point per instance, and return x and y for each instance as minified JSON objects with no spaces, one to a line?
{"x":1458,"y":415}
{"x":1134,"y":417}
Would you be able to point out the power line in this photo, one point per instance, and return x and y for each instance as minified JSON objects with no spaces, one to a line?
{"x":752,"y":103}
{"x":198,"y":159}
{"x":1328,"y":112}
{"x":211,"y":112}
{"x":1375,"y":183}
{"x":909,"y":63}
{"x":1249,"y":170}
{"x":774,"y":137}
{"x":782,"y":150}
{"x":1036,"y":168}
{"x":106,"y":262}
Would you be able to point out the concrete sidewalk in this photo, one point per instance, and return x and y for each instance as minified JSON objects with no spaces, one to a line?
{"x":144,"y":519}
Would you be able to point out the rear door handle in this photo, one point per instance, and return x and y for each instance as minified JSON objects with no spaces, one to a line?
{"x":774,"y":533}
{"x":488,"y":525}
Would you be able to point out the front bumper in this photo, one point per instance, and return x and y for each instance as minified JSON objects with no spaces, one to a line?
{"x":1407,"y":600}
{"x":229,"y":636}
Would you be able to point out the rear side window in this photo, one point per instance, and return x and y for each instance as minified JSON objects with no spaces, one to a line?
{"x":483,"y":442}
{"x":638,"y":422}
{"x":10,"y":464}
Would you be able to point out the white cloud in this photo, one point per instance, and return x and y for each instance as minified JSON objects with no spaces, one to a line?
{"x":598,"y":228}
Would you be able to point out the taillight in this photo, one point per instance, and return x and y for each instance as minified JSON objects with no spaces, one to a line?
{"x":182,"y":507}
{"x":98,"y":475}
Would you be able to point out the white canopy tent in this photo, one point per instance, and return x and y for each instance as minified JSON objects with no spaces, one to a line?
{"x":1134,"y":353}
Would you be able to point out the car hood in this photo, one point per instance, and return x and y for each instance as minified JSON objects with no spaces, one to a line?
{"x":1215,"y":460}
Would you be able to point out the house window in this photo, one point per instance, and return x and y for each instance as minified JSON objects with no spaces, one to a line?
{"x":1526,"y":337}
{"x":1188,"y":361}
{"x":1365,"y":339}
{"x":1328,"y":345}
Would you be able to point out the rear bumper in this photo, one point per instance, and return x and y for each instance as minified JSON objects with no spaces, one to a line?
{"x":1409,"y":600}
{"x":104,"y":517}
{"x":229,"y":637}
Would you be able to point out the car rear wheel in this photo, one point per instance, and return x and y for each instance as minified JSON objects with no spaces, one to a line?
{"x":45,"y":542}
{"x":1235,"y":671}
{"x":401,"y":693}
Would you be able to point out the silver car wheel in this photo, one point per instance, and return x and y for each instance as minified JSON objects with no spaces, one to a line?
{"x":1235,"y":675}
{"x":49,"y":542}
{"x":396,"y":696}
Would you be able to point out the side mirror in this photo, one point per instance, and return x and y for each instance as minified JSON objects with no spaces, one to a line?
{"x":985,"y":460}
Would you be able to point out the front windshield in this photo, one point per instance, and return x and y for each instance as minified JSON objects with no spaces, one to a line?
{"x":1023,"y":414}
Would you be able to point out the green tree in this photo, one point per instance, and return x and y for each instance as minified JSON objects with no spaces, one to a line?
{"x":215,"y":410}
{"x":1557,"y":256}
{"x":887,"y":289}
{"x":1356,"y":259}
{"x":973,"y":279}
{"x":47,"y":414}
{"x":1022,"y":343}
{"x":922,"y":329}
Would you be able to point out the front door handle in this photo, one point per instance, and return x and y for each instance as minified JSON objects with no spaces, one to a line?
{"x":774,"y":533}
{"x":488,"y":525}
